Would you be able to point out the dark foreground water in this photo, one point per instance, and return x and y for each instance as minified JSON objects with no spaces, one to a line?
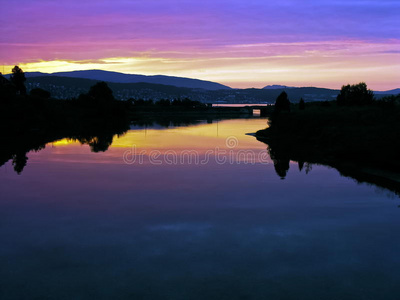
{"x":193,"y":212}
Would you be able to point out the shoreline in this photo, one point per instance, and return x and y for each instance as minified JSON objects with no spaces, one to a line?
{"x":359,"y":142}
{"x":367,"y":170}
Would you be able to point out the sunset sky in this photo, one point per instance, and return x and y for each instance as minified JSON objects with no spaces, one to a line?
{"x":237,"y":43}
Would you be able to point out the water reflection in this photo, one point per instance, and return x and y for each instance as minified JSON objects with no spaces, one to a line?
{"x":128,"y":134}
{"x":282,"y":155}
{"x":79,"y":225}
{"x":169,"y":121}
{"x":99,"y":137}
{"x":281,"y":162}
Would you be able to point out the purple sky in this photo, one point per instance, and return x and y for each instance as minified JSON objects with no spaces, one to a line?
{"x":239,"y":43}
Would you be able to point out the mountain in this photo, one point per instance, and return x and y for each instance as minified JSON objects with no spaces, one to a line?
{"x":276,"y":86}
{"x":283,"y":87}
{"x":310,"y":93}
{"x":31,"y":74}
{"x":132,"y":78}
{"x":391,"y":92}
{"x":70,"y":87}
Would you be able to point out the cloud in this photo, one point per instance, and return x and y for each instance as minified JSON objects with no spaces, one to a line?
{"x":326,"y":64}
{"x":239,"y":42}
{"x":391,"y":51}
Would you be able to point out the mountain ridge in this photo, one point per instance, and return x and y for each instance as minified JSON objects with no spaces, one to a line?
{"x":117,"y":77}
{"x":277,"y":86}
{"x":182,"y":82}
{"x":69,"y":88}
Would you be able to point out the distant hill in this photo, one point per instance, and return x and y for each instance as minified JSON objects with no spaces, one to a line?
{"x":70,"y":87}
{"x":310,"y":93}
{"x":391,"y":92}
{"x":132,"y":78}
{"x":295,"y":94}
{"x":275,"y":86}
{"x":312,"y":89}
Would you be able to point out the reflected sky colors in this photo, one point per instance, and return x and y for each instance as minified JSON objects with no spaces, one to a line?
{"x":77,"y":224}
{"x":212,"y":143}
{"x":238,"y":43}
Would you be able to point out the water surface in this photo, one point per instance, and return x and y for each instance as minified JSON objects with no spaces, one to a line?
{"x":160,"y":216}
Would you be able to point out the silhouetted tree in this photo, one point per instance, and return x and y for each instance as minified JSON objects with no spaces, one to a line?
{"x":302,"y":104}
{"x":7,"y":90}
{"x":100,"y":92}
{"x":282,"y":103}
{"x":389,"y":101}
{"x":357,"y":94}
{"x":18,"y":79}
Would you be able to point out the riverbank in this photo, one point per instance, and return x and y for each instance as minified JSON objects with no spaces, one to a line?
{"x":360,"y":141}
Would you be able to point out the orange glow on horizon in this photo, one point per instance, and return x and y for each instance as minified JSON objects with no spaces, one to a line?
{"x":327,"y":64}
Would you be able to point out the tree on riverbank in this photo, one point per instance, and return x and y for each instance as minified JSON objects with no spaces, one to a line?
{"x":282,"y":103}
{"x":18,"y":80}
{"x":99,"y":94}
{"x":356,"y":94}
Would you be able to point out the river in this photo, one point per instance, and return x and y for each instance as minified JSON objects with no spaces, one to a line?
{"x":191,"y":212}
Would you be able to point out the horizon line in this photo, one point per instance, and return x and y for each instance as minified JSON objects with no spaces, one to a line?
{"x":174,"y":76}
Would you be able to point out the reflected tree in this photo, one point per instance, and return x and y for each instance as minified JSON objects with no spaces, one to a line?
{"x":281,"y":167}
{"x":281,"y":162}
{"x":99,"y":143}
{"x":19,"y":161}
{"x":308,"y":168}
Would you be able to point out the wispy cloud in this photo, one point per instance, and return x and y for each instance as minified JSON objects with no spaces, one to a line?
{"x":243,"y":43}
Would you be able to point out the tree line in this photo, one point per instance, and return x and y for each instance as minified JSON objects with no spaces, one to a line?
{"x":349,"y":95}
